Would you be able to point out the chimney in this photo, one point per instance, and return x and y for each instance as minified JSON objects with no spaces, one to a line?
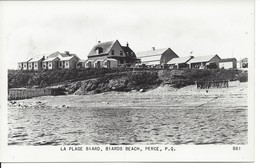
{"x":67,"y":52}
{"x":127,"y":44}
{"x":43,"y":57}
{"x":99,"y":41}
{"x":153,"y":48}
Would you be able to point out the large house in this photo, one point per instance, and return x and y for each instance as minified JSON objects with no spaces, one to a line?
{"x":156,"y":57}
{"x":112,"y":50}
{"x":201,"y":62}
{"x":228,"y":63}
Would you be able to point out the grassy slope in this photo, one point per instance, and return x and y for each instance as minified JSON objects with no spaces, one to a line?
{"x":178,"y":78}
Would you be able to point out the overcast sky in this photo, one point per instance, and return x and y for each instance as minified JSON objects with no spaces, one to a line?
{"x":31,"y":29}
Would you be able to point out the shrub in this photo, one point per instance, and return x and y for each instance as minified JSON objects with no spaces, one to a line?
{"x":144,"y":78}
{"x":243,"y":77}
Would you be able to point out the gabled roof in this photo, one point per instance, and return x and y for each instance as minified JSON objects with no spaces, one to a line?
{"x":151,"y":52}
{"x":59,"y":54}
{"x":50,"y":59}
{"x":180,"y":60}
{"x":67,"y":58}
{"x":106,"y":46}
{"x":227,"y":59}
{"x":128,"y":51}
{"x":56,"y":54}
{"x":36,"y":59}
{"x":203,"y":58}
{"x":26,"y":61}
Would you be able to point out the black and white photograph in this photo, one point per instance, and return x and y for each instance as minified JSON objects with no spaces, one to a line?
{"x":119,"y":76}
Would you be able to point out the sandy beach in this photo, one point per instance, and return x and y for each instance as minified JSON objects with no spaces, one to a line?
{"x":163,"y":116}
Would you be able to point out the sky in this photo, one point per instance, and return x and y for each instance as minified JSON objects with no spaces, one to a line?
{"x":204,"y":27}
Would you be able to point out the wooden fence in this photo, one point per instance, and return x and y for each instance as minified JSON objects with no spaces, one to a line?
{"x":211,"y":84}
{"x":25,"y":93}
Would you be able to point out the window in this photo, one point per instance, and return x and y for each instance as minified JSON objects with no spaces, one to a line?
{"x":99,"y":50}
{"x":121,"y":52}
{"x":112,"y":52}
{"x":60,"y":64}
{"x":67,"y":64}
{"x":49,"y":64}
{"x":35,"y":65}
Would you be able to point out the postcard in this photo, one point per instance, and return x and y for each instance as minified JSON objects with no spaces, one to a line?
{"x":127,"y":81}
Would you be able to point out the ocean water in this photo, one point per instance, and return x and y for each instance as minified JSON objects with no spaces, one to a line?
{"x":173,"y":125}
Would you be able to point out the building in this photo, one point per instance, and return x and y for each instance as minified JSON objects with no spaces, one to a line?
{"x":202,"y":62}
{"x":109,"y":63}
{"x":156,"y":57}
{"x":179,"y":63}
{"x":81,"y":64}
{"x":66,"y":60}
{"x":243,"y":63}
{"x":228,"y":63}
{"x":50,"y":63}
{"x":24,"y":65}
{"x":113,"y":50}
{"x":36,"y":63}
{"x":130,"y":59}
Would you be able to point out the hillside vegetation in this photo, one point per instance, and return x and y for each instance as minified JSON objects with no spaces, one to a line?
{"x":103,"y":80}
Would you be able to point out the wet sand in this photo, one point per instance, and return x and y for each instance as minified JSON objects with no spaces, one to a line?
{"x":161,"y":116}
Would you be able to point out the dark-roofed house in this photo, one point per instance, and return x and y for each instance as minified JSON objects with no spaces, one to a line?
{"x":111,"y":49}
{"x":156,"y":57}
{"x":24,"y":65}
{"x":130,"y":56}
{"x":202,"y":62}
{"x":179,"y":63}
{"x":228,"y":63}
{"x":36,"y":63}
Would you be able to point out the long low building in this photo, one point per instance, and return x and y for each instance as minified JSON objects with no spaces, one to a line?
{"x":201,"y":62}
{"x":181,"y":62}
{"x":156,"y":57}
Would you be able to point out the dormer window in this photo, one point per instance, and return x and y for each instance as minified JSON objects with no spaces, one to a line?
{"x":121,"y":52}
{"x":99,"y":50}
